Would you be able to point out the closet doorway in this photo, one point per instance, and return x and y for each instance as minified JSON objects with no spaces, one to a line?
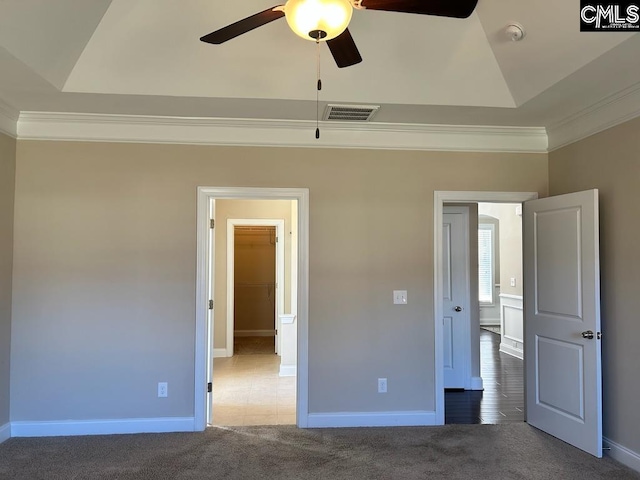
{"x":254,"y":290}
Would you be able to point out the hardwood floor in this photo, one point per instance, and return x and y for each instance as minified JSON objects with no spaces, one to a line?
{"x":502,"y":400}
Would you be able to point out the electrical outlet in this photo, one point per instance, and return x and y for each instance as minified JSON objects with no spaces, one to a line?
{"x":382,"y":385}
{"x":163,"y":389}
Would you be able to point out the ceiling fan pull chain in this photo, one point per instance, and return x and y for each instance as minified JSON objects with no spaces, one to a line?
{"x":319,"y":87}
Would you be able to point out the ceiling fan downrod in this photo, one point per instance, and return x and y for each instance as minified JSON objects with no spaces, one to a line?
{"x":319,"y":84}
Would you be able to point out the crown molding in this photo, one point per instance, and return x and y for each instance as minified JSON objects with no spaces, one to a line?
{"x":254,"y":132}
{"x":608,"y":112}
{"x":8,"y":120}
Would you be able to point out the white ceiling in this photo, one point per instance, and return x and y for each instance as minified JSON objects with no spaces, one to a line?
{"x":144,"y":57}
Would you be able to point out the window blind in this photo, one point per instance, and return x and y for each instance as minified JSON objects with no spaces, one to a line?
{"x":486,"y":263}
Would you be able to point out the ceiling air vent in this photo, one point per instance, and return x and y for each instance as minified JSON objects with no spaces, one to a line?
{"x":350,"y":113}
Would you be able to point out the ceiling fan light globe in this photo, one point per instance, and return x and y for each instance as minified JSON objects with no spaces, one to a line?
{"x":329,"y":16}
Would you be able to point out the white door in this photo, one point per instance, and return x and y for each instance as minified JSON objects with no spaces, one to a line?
{"x":455,"y":320}
{"x":562,"y":318}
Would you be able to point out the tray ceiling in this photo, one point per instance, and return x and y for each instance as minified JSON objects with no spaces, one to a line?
{"x":145,"y":58}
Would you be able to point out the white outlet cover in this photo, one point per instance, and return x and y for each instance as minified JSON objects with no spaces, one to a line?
{"x":382,"y":385}
{"x":400,"y":297}
{"x":163,"y":389}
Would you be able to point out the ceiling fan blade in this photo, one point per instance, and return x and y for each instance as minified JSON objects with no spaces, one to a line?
{"x":243,"y":26}
{"x":344,"y":50}
{"x":441,"y":8}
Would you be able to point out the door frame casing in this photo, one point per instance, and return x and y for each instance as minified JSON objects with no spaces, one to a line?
{"x":441,"y":197}
{"x":204,"y":263}
{"x":278,"y":223}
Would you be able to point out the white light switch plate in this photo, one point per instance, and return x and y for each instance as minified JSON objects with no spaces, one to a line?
{"x":399,"y":297}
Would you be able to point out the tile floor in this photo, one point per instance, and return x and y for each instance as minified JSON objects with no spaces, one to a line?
{"x":247,"y":390}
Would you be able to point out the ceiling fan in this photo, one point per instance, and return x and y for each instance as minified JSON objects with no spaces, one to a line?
{"x":327,"y":20}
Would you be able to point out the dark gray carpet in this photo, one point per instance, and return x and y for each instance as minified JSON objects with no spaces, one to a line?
{"x":512,"y":451}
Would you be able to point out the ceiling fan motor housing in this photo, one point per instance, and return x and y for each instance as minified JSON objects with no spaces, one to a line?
{"x":318,"y":19}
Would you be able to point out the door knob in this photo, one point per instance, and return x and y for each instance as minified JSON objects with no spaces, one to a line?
{"x":588,"y":334}
{"x":457,"y":308}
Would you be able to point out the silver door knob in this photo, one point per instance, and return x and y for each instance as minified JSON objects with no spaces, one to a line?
{"x":588,"y":334}
{"x":457,"y":309}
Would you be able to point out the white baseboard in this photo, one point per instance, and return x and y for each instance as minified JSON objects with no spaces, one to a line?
{"x":254,"y":333}
{"x":102,"y":427}
{"x":5,"y":432}
{"x":288,"y":370}
{"x":371,"y":419}
{"x":509,"y":350}
{"x":476,"y":383}
{"x":219,"y":352}
{"x":622,"y":454}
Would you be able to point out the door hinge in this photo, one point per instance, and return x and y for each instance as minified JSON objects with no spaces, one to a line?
{"x":276,"y":332}
{"x":210,"y":304}
{"x":209,"y":387}
{"x":212,"y":223}
{"x":276,"y":239}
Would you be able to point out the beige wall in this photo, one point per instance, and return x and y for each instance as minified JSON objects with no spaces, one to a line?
{"x":244,"y":209}
{"x":255,"y":280}
{"x":106,"y":241}
{"x":7,"y":186}
{"x":610,"y":162}
{"x":510,"y":235}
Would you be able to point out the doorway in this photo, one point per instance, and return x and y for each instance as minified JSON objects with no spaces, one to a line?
{"x":254,"y":290}
{"x":255,"y":276}
{"x":497,"y":317}
{"x":473,"y":360}
{"x":563,"y":383}
{"x":205,"y":305}
{"x":248,"y":385}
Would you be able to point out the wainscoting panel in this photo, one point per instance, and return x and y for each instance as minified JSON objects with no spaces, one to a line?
{"x":490,"y":314}
{"x":511,"y":321}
